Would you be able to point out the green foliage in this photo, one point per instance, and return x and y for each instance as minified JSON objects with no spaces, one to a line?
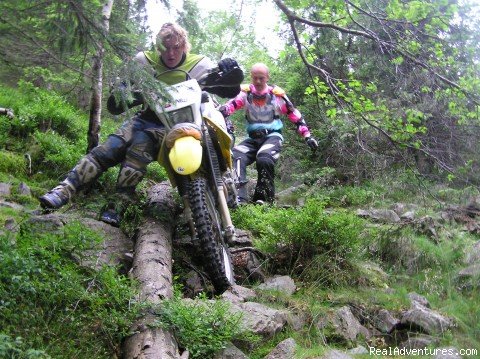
{"x":45,"y":291}
{"x":56,"y":152}
{"x":310,"y":242}
{"x":16,"y":348}
{"x":156,"y":173}
{"x":350,"y":195}
{"x":202,"y":327}
{"x":40,"y":109}
{"x":13,"y":164}
{"x":45,"y":127}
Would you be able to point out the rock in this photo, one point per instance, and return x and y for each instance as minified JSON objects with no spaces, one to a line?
{"x":261,"y":319}
{"x":384,"y":321}
{"x":284,"y":284}
{"x":24,"y":190}
{"x":115,"y":250}
{"x":408,"y":216}
{"x":345,"y":324}
{"x":14,"y":206}
{"x":371,"y":274}
{"x":238,"y":294}
{"x":11,"y":225}
{"x":335,"y":354}
{"x":231,"y":352}
{"x":51,"y":222}
{"x":360,"y":350}
{"x":296,"y":321}
{"x":5,"y":189}
{"x":471,"y":271}
{"x":417,"y":342}
{"x":193,"y":284}
{"x":469,"y":277}
{"x":247,"y":265}
{"x":284,"y":350}
{"x":427,"y":226}
{"x":473,"y":254}
{"x":426,"y":319}
{"x":416,"y":299}
{"x":379,"y":215}
{"x":242,"y":238}
{"x":402,"y":208}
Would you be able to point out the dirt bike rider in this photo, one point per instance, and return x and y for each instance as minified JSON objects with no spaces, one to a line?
{"x":137,"y":142}
{"x":263,"y":106}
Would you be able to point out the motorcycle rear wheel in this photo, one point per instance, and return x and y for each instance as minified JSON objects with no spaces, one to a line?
{"x":211,"y":245}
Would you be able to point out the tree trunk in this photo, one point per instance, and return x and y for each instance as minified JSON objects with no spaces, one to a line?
{"x":152,"y":268}
{"x":97,"y":80}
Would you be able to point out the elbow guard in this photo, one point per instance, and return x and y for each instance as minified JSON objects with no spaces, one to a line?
{"x":302,"y":128}
{"x":301,"y":123}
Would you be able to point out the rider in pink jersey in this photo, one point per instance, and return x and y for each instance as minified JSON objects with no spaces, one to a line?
{"x":263,"y":104}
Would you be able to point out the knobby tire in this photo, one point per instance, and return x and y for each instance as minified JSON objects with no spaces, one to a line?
{"x":211,"y":247}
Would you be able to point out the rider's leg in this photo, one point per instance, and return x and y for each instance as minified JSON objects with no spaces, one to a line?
{"x":142,"y":151}
{"x":89,"y":168}
{"x":243,"y":156}
{"x":267,"y":157}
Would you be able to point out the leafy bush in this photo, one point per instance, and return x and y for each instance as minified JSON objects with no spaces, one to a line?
{"x":56,"y":154}
{"x":45,"y":126}
{"x":202,"y":327}
{"x":349,"y":196}
{"x":13,"y":164}
{"x":308,"y":242}
{"x":56,"y":305}
{"x":40,"y":109}
{"x":16,"y":348}
{"x":406,"y":251}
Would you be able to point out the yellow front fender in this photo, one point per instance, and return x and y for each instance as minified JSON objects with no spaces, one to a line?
{"x":186,"y":155}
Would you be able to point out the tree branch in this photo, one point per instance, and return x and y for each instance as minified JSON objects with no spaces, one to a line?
{"x":391,"y":46}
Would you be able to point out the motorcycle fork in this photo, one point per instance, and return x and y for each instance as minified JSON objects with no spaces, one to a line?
{"x":227,"y":224}
{"x":229,"y":229}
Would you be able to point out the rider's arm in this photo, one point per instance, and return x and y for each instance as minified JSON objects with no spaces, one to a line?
{"x":287,"y":108}
{"x":223,"y":79}
{"x":120,"y":100}
{"x":236,"y":103}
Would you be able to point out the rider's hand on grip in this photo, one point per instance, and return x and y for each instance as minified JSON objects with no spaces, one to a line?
{"x":227,"y":65}
{"x":223,"y":110}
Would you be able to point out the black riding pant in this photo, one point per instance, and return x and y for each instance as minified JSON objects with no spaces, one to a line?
{"x":265,"y":152}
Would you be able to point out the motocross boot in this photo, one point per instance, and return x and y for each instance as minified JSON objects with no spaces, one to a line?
{"x":265,"y":188}
{"x":128,"y":178}
{"x":111,"y":215}
{"x":86,"y":170}
{"x":58,"y":196}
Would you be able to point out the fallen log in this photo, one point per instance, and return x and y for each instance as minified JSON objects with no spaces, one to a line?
{"x":152,"y":268}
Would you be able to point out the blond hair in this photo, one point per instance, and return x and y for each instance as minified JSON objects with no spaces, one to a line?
{"x":176,"y":32}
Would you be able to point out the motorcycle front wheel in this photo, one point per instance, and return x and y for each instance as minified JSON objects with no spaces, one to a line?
{"x":211,"y":245}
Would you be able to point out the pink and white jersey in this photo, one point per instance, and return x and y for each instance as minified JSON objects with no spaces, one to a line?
{"x":263,"y":109}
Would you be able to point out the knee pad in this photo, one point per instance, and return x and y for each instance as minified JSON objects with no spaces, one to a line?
{"x":85,"y":171}
{"x":128,"y":178}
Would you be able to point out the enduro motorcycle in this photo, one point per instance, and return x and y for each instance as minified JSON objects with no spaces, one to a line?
{"x":196,"y":153}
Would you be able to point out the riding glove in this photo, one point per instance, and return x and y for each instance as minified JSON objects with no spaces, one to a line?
{"x":312,"y":143}
{"x":227,"y":65}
